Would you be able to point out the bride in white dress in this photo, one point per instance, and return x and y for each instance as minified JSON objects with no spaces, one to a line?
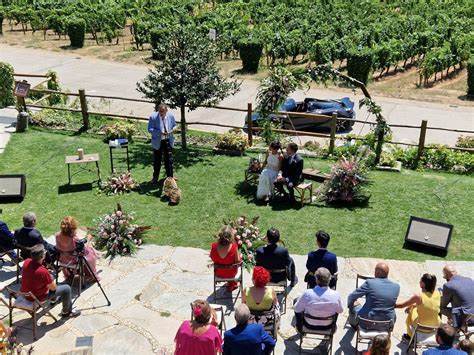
{"x":272,"y":167}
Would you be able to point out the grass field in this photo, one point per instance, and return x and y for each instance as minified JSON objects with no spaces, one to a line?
{"x":213,"y":190}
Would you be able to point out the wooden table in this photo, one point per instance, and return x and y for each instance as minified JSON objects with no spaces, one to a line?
{"x":88,"y":158}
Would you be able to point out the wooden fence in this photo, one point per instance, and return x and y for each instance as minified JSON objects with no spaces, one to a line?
{"x":86,"y":112}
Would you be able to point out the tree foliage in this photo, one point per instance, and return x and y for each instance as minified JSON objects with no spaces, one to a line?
{"x":188,"y":76}
{"x":6,"y":85}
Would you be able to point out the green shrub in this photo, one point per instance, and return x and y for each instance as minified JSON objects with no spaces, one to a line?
{"x":157,"y":37}
{"x":7,"y":83}
{"x":470,"y":76}
{"x":53,"y":84}
{"x":232,"y":141}
{"x":250,"y":52}
{"x":359,"y":63}
{"x":465,"y":142}
{"x":76,"y":30}
{"x":120,"y":129}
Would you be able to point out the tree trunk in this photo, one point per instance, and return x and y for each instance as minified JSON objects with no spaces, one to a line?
{"x":183,"y":126}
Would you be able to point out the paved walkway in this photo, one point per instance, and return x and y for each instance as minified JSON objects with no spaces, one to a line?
{"x":119,"y":79}
{"x":7,"y":121}
{"x":151,"y":295}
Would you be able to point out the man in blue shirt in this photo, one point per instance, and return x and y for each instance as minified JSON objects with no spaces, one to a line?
{"x":7,"y":240}
{"x":445,"y":338}
{"x":321,"y":258}
{"x":161,"y":126}
{"x":248,"y":339}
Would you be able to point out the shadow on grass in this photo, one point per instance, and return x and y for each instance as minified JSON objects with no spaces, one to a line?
{"x":141,"y":154}
{"x":425,"y":249}
{"x":66,"y":188}
{"x":149,"y":189}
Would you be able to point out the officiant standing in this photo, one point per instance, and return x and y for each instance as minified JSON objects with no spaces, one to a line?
{"x":161,"y":126}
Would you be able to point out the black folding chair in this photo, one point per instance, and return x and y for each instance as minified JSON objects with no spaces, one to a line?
{"x":219,"y":281}
{"x":424,"y":336}
{"x":323,"y":335}
{"x":367,"y":330}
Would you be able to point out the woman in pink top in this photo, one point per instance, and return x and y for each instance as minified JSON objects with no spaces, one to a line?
{"x":198,"y":337}
{"x":66,"y":240}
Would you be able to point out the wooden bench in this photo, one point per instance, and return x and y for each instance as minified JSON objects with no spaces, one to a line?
{"x":315,"y":175}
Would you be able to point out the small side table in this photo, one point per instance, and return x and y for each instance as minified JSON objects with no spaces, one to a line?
{"x":118,"y":152}
{"x":88,"y":158}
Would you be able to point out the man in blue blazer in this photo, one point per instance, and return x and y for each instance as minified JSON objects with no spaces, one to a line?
{"x":161,"y":126}
{"x":380,"y":297}
{"x":247,"y":339}
{"x":322,"y":257}
{"x":457,"y":298}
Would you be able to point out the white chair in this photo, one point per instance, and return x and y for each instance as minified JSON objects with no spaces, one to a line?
{"x":424,"y":336}
{"x":367,"y":329}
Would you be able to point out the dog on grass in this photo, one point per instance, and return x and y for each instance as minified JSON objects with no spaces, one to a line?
{"x":171,"y":190}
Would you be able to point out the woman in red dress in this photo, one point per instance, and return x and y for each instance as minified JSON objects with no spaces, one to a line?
{"x":225,"y":252}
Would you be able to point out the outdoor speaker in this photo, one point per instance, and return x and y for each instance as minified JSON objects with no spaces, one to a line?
{"x":12,"y":187}
{"x":428,"y":233}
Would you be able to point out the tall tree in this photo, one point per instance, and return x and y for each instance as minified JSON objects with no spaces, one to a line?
{"x":188,"y":76}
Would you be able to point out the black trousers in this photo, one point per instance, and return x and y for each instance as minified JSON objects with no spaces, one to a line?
{"x":279,"y":186}
{"x":167,"y":152}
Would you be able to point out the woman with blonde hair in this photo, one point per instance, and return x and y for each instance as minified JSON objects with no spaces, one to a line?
{"x":225,"y":252}
{"x":66,"y":243}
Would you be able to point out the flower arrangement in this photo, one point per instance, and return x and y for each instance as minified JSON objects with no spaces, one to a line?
{"x":119,"y":184}
{"x":117,"y":235}
{"x":255,"y":165}
{"x":346,"y":184}
{"x":9,"y":345}
{"x":248,"y":239}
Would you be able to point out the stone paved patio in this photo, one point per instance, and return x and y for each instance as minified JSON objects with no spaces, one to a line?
{"x":151,"y":293}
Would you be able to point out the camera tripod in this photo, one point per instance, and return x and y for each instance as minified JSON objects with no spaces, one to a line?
{"x":79,"y":270}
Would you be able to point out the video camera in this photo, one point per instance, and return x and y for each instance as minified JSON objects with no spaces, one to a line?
{"x":80,"y":245}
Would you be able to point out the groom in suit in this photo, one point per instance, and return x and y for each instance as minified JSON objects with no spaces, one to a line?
{"x":162,"y":125}
{"x":291,"y":172}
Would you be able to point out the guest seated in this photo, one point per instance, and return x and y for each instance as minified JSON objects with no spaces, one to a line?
{"x":273,"y":256}
{"x":245,"y":338}
{"x":29,"y":236}
{"x":422,"y":308}
{"x":37,"y":280}
{"x":225,"y":252}
{"x":380,"y":297}
{"x":7,"y":241}
{"x":259,"y":297}
{"x":322,"y":257}
{"x":459,"y":293}
{"x":291,"y":172}
{"x":380,"y":345}
{"x":198,"y":336}
{"x":320,"y":301}
{"x":66,"y":241}
{"x":445,"y":336}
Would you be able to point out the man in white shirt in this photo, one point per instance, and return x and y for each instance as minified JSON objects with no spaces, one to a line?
{"x":162,"y":125}
{"x":320,"y":301}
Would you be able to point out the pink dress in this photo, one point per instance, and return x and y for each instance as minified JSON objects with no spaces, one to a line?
{"x":66,"y":246}
{"x":207,"y":343}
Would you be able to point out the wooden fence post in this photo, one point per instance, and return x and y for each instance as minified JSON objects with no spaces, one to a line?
{"x":332,"y":139}
{"x":421,"y":141}
{"x":84,"y":110}
{"x":249,"y":124}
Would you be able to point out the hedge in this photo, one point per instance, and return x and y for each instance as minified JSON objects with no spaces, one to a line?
{"x":6,"y":85}
{"x":470,"y":76}
{"x":250,"y":53}
{"x":359,"y":63}
{"x":76,"y":30}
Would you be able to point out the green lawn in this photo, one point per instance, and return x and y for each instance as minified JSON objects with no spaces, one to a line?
{"x":213,"y":190}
